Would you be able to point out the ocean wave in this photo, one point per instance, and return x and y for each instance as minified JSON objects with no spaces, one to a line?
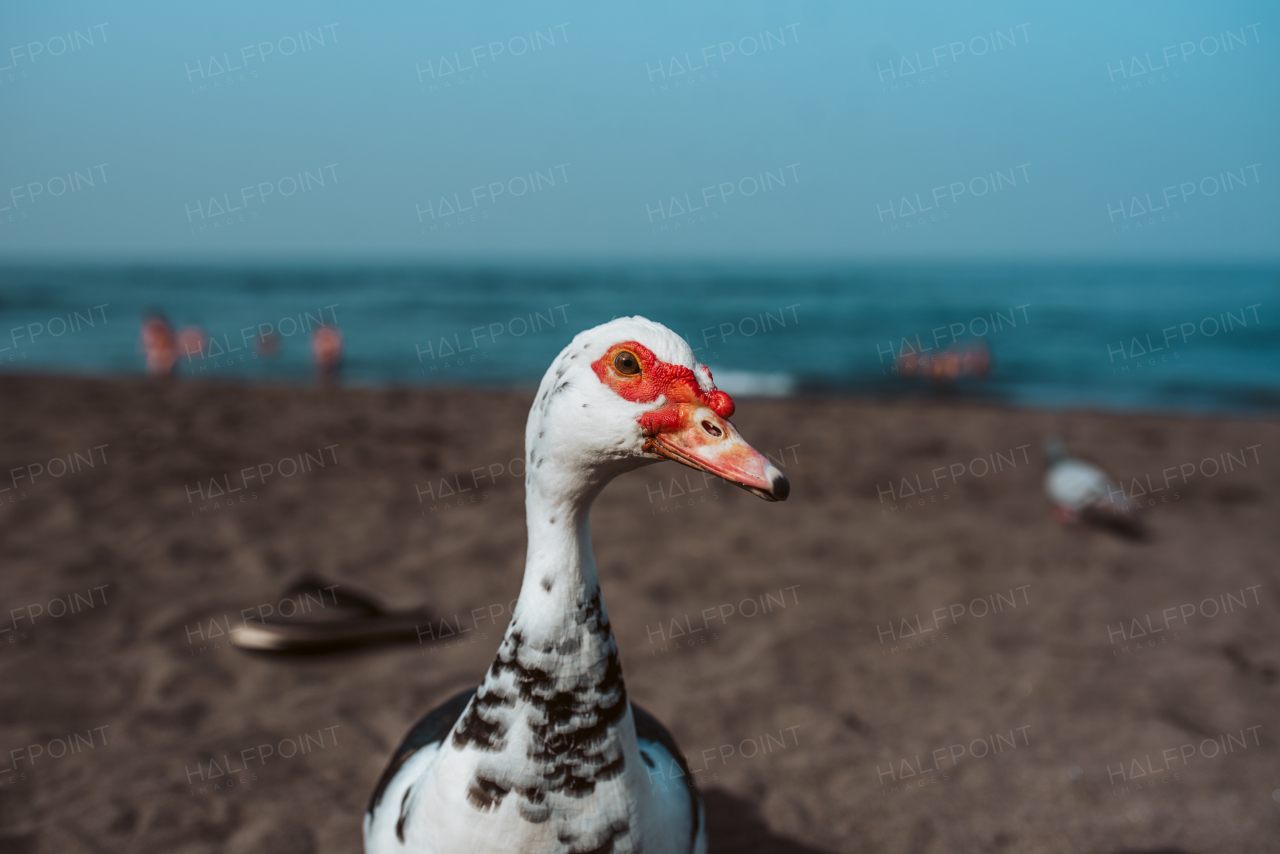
{"x":752,"y":384}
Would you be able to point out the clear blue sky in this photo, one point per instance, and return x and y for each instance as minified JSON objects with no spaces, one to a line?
{"x":797,"y":97}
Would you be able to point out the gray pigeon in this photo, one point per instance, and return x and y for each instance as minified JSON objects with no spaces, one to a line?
{"x":1082,"y":493}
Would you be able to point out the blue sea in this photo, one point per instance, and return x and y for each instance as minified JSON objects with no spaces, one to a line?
{"x":1115,"y":338}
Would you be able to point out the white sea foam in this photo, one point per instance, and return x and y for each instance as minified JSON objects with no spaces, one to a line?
{"x":752,"y":384}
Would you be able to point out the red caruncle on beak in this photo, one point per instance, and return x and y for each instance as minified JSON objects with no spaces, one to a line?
{"x":692,"y":426}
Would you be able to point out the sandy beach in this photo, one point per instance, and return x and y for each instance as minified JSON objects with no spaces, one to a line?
{"x":908,"y":655}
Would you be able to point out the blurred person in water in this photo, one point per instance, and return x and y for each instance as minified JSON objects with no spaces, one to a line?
{"x":190,"y":341}
{"x":972,"y":361}
{"x":267,"y":344}
{"x":158,"y":345}
{"x":326,"y":347}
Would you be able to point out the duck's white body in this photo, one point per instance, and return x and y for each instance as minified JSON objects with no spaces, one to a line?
{"x":421,"y":810}
{"x":549,"y":755}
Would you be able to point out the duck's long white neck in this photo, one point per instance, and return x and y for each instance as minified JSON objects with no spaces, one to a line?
{"x":551,"y":709}
{"x":550,"y":725}
{"x":560,"y":569}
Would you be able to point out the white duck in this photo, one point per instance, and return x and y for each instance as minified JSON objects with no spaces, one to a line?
{"x":1082,"y":492}
{"x":548,"y":754}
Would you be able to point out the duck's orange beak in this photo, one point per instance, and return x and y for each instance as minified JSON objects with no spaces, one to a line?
{"x":701,"y":439}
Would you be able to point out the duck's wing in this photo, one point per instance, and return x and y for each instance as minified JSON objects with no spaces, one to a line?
{"x":432,"y":729}
{"x":661,"y":754}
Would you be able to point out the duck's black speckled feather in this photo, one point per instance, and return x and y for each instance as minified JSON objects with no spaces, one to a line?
{"x":433,"y":728}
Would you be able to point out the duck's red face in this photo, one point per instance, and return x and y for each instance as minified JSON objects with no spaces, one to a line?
{"x":690,"y":426}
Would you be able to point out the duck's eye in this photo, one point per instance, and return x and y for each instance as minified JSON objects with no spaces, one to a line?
{"x":626,"y":363}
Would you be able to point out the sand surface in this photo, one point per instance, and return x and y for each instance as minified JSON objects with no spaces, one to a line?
{"x":814,"y":719}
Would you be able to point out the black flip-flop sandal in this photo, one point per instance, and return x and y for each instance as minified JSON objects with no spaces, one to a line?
{"x":354,"y":621}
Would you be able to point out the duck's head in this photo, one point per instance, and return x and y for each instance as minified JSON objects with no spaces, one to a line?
{"x":629,"y":393}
